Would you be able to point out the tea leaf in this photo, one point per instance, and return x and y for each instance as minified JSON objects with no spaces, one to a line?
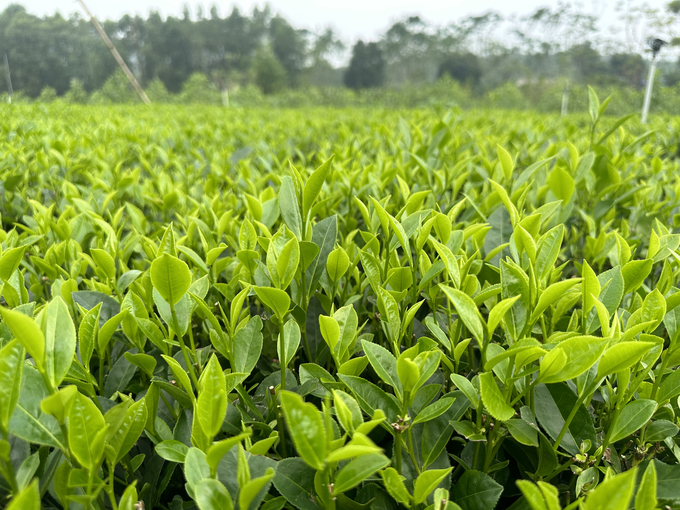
{"x":212,"y":495}
{"x":170,"y":277}
{"x":426,"y":483}
{"x":294,"y":480}
{"x":493,"y":398}
{"x":467,"y":311}
{"x":358,"y":470}
{"x":632,"y":417}
{"x":212,"y":398}
{"x":306,"y":429}
{"x":28,"y":333}
{"x":475,"y":490}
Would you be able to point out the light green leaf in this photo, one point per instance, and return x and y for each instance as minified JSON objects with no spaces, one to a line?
{"x":507,"y":164}
{"x":498,"y":312}
{"x":466,"y":387}
{"x":11,"y":376}
{"x":427,"y":482}
{"x":276,"y":299}
{"x":59,"y":404}
{"x":306,"y":428}
{"x":171,"y":277}
{"x":337,"y":264}
{"x":358,"y":470}
{"x":632,"y":418}
{"x":395,"y":485}
{"x":493,"y":398}
{"x":290,"y":208}
{"x":87,"y":334}
{"x":212,"y":495}
{"x":634,"y":274}
{"x":581,"y":353}
{"x":144,"y":361}
{"x":247,"y":493}
{"x":60,"y":340}
{"x":9,"y":262}
{"x":561,"y":183}
{"x":313,"y":186}
{"x":389,"y":310}
{"x":551,"y":295}
{"x":449,"y":260}
{"x":645,"y":499}
{"x":109,"y":328}
{"x":27,"y":499}
{"x":212,"y":398}
{"x":384,"y":364}
{"x":85,"y":422}
{"x":105,"y":262}
{"x":180,"y":374}
{"x":467,"y":311}
{"x":247,"y":345}
{"x":621,"y":356}
{"x":612,"y":494}
{"x":291,"y":337}
{"x":172,"y":450}
{"x":434,"y":410}
{"x":28,"y":333}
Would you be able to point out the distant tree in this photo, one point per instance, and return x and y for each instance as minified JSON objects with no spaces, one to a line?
{"x":629,"y":68}
{"x":177,"y":50}
{"x":320,"y":71}
{"x":47,"y":95}
{"x":199,"y":89}
{"x":412,"y":52}
{"x":269,"y":73}
{"x":157,"y":92}
{"x":366,"y":68}
{"x":76,"y":93}
{"x":462,"y":67}
{"x":264,"y":49}
{"x":290,"y":47}
{"x":587,"y":62}
{"x":117,"y":89}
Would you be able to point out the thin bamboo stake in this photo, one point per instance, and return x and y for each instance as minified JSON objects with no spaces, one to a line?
{"x":117,"y":56}
{"x":10,"y":91}
{"x":565,"y":99}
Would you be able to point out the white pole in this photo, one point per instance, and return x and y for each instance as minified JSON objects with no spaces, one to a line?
{"x":565,"y":99}
{"x":10,"y":91}
{"x":648,"y":92}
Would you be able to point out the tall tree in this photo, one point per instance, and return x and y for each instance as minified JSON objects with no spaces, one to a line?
{"x":411,"y":52}
{"x":367,"y":67}
{"x":462,"y":67}
{"x":289,"y":46}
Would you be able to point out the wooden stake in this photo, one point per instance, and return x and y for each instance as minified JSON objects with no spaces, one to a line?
{"x":117,"y":56}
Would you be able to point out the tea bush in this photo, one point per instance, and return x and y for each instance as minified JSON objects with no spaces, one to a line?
{"x":337,"y":309}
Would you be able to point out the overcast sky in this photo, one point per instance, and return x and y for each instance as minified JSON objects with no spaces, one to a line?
{"x":353,"y":19}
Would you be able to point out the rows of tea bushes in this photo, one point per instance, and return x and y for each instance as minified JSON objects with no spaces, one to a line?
{"x":333,"y":309}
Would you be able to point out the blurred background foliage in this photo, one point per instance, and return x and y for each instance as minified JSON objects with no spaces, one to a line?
{"x":260,"y":58}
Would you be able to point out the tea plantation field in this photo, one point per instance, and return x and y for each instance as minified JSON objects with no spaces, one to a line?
{"x":338,"y":309}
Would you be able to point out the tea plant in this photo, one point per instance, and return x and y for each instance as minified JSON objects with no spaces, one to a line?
{"x":354,"y":310}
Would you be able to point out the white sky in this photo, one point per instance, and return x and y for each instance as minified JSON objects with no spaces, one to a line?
{"x":352,"y":19}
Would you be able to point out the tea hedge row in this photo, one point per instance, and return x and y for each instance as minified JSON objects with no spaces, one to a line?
{"x":344,"y":310}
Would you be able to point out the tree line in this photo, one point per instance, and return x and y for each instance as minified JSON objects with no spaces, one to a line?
{"x":56,"y":53}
